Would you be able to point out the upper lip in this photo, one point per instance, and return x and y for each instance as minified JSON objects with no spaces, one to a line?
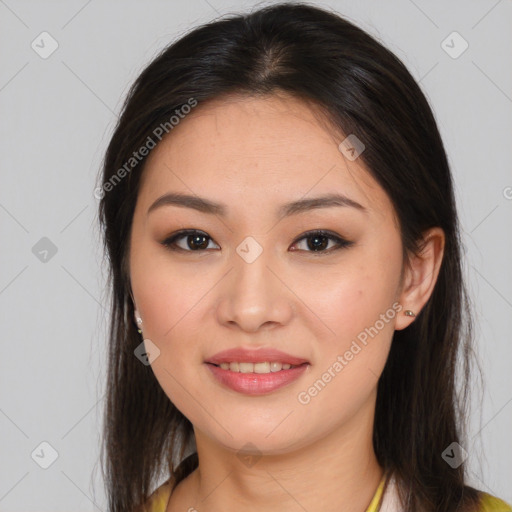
{"x":243,"y":355}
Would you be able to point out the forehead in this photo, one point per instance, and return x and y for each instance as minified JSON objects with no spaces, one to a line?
{"x":258,"y":151}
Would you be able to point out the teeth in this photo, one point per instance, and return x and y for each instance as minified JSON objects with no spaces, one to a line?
{"x":246,"y":367}
{"x":264,"y":367}
{"x":275,"y":367}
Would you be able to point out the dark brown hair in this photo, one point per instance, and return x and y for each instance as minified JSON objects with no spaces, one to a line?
{"x":364,"y":89}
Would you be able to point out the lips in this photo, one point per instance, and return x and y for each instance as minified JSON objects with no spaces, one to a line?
{"x":254,"y":384}
{"x":242,"y":355}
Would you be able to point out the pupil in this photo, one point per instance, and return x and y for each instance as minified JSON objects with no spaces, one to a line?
{"x":195,"y":241}
{"x":318,"y":244}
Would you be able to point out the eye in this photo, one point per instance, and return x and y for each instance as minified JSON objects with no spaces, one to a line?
{"x":318,"y":241}
{"x":197,"y":241}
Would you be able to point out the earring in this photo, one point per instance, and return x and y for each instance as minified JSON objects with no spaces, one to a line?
{"x":408,"y":312}
{"x":138,"y":319}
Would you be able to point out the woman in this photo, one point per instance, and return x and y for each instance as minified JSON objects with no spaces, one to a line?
{"x":288,"y":303}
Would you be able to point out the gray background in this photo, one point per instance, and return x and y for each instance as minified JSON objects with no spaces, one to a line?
{"x":56,"y":117}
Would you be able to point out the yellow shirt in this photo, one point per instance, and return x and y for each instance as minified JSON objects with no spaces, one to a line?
{"x":158,"y":500}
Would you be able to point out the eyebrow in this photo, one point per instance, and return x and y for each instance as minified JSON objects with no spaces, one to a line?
{"x":301,"y":205}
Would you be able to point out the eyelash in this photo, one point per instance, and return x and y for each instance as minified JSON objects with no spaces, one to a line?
{"x":342,"y":243}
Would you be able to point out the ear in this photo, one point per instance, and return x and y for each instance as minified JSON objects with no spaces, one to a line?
{"x":420,"y":275}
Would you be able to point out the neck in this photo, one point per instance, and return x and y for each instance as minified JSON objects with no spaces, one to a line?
{"x":337,"y":472}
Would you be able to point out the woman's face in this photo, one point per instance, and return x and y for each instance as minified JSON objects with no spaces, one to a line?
{"x":250,"y":278}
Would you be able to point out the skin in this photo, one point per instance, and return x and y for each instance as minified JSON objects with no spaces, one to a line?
{"x":254,"y":154}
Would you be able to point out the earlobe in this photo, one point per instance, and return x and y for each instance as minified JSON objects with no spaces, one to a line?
{"x":138,"y":321}
{"x":421,"y":273}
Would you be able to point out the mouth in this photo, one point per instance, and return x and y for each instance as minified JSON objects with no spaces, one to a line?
{"x":252,"y":371}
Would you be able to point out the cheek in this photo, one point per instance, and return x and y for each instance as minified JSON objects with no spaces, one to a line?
{"x":354,"y":297}
{"x":168,"y":290}
{"x":171,"y":306}
{"x":358,"y":304}
{"x":170,"y":298}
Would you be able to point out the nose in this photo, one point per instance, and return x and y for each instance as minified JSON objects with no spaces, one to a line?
{"x":254,"y":296}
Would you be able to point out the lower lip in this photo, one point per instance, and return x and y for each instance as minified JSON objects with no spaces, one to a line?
{"x":256,"y":383}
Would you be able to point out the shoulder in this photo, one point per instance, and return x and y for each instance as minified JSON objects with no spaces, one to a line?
{"x":489,"y":503}
{"x":158,"y":500}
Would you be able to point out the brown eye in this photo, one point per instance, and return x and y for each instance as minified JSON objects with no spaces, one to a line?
{"x":193,"y":241}
{"x":318,"y":241}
